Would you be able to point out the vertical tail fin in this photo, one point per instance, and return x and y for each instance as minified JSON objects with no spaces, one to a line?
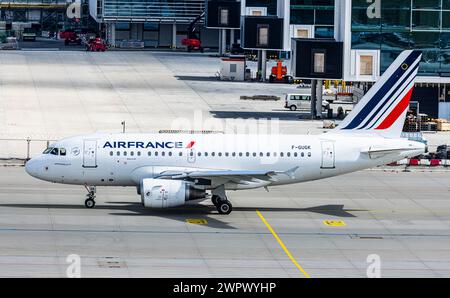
{"x":383,"y":109}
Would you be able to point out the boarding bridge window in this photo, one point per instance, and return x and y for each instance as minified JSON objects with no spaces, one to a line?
{"x":318,"y":61}
{"x":262,"y":36}
{"x":257,"y":13}
{"x":224,"y":14}
{"x":302,"y":33}
{"x":366,"y":65}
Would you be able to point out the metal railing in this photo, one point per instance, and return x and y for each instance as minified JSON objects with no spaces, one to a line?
{"x":22,"y":149}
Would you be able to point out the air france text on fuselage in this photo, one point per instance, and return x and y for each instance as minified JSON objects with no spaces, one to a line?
{"x":143,"y":145}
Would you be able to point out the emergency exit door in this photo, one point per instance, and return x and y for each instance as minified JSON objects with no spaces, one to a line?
{"x":328,"y":155}
{"x":90,"y":154}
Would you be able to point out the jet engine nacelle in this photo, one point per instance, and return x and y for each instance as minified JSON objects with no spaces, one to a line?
{"x":161,"y":193}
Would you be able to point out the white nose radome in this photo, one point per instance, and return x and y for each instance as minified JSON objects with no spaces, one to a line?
{"x":32,"y":168}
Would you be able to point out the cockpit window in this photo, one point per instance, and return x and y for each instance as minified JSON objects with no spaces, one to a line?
{"x":54,"y":151}
{"x":48,"y":150}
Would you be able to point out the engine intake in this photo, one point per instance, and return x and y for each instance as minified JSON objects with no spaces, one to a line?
{"x":161,"y":193}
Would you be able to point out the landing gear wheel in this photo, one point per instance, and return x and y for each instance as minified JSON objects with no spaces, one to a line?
{"x":224,"y":207}
{"x":89,"y":203}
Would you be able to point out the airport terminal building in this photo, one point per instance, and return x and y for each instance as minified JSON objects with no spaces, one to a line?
{"x":155,"y":23}
{"x":375,"y":32}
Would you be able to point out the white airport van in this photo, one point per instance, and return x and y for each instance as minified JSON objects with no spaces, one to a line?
{"x":301,"y":101}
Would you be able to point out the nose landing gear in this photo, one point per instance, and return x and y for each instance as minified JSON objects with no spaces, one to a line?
{"x":90,"y":200}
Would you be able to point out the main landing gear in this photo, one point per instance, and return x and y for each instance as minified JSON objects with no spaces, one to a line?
{"x":220,"y":200}
{"x":90,"y":200}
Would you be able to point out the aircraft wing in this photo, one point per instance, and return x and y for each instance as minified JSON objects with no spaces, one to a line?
{"x":248,"y":179}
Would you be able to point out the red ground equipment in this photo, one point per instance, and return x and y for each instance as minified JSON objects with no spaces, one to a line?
{"x":69,"y":33}
{"x":279,"y":74}
{"x":96,"y":45}
{"x":72,"y":39}
{"x":192,"y":42}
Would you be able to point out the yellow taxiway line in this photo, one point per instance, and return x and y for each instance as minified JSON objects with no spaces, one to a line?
{"x":288,"y":253}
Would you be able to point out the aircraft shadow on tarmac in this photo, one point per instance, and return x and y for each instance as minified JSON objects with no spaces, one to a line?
{"x":207,"y":212}
{"x":197,"y":78}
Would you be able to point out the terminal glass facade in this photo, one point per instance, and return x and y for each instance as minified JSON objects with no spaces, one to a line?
{"x":405,"y":24}
{"x":153,"y":9}
{"x":319,"y":13}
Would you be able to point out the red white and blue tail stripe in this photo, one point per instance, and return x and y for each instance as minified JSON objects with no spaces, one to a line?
{"x":383,"y":109}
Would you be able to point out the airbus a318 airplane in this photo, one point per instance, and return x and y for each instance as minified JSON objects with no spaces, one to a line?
{"x":170,"y":169}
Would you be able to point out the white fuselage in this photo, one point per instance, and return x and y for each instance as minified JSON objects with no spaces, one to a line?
{"x":126,"y":159}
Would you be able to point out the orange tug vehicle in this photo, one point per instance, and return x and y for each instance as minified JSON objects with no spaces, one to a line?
{"x":279,"y":74}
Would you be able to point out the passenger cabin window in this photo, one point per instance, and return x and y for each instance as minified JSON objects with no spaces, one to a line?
{"x":62,"y":151}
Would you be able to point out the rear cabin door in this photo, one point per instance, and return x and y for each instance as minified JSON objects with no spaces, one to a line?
{"x":90,"y":154}
{"x":328,"y":155}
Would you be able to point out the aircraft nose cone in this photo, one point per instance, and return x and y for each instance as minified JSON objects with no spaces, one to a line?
{"x":31,"y":167}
